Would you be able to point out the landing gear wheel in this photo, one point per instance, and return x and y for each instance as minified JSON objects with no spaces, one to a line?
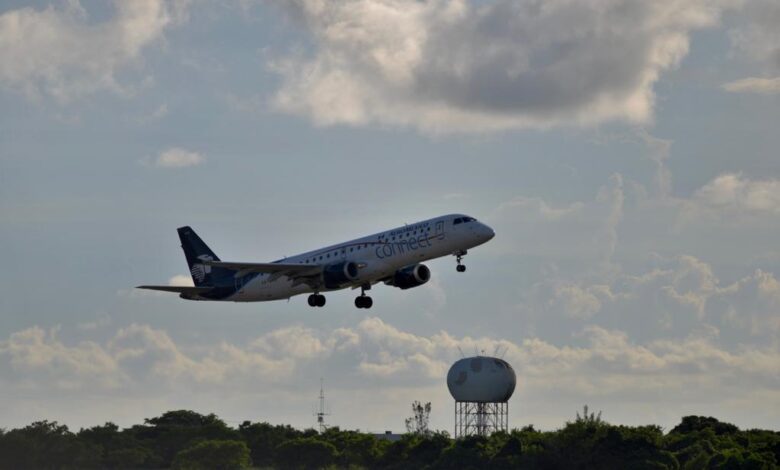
{"x":316,"y":300}
{"x":313,"y":300}
{"x":459,"y":256}
{"x":363,"y":301}
{"x":320,"y":300}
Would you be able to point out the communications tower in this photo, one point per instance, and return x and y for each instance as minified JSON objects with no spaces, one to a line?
{"x":320,"y":414}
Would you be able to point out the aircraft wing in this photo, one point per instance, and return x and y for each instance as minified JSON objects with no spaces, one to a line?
{"x":189,"y":290}
{"x":280,"y":269}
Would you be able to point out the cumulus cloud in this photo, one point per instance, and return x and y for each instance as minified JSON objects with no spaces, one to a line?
{"x":757,"y":38}
{"x":734,"y":192}
{"x":380,"y":358}
{"x":38,"y":354}
{"x":464,"y":65}
{"x":680,"y":297}
{"x":754,"y":85}
{"x":178,"y":158}
{"x":61,"y":53}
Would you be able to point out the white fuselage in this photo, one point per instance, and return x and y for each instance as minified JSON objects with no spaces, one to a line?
{"x":378,"y":256}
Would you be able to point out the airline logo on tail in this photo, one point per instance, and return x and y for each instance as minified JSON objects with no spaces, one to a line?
{"x":199,"y":271}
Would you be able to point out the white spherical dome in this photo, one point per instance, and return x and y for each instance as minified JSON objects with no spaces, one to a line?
{"x":481,"y":379}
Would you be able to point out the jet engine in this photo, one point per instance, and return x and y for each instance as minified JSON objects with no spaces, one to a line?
{"x":412,"y":276}
{"x":335,"y":275}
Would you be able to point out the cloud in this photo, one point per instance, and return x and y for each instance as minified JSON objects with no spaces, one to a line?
{"x":178,"y":158}
{"x":679,"y":298}
{"x":659,"y":153}
{"x":181,"y":280}
{"x":469,"y":66}
{"x":754,"y":85}
{"x":61,"y":53}
{"x":373,"y":358}
{"x":734,"y":192}
{"x":758,"y":37}
{"x":39,"y":356}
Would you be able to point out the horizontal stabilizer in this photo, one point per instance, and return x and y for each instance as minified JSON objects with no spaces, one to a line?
{"x":188,"y":290}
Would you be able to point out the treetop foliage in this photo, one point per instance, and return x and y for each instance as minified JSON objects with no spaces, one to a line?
{"x":186,"y":439}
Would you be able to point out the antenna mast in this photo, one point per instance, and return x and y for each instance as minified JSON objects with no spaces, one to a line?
{"x":320,"y":414}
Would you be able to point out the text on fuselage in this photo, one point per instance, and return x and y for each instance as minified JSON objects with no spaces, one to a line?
{"x":389,"y":249}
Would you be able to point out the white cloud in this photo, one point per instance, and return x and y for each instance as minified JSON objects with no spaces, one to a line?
{"x":40,"y":356}
{"x":60,"y":53}
{"x":140,"y":363}
{"x":679,"y":298}
{"x":734,"y":192}
{"x":754,"y":85}
{"x":181,"y":280}
{"x":178,"y":158}
{"x":757,"y":36}
{"x":469,"y":66}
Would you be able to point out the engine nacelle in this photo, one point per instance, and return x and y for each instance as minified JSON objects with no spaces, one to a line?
{"x":412,"y":276}
{"x":335,"y":275}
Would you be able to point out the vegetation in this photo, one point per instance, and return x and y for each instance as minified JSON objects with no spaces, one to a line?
{"x":418,"y":423}
{"x":188,"y":440}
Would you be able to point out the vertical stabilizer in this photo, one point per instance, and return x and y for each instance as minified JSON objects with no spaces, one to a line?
{"x":196,"y":251}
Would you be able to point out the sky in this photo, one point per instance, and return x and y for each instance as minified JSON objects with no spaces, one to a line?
{"x":625,"y":153}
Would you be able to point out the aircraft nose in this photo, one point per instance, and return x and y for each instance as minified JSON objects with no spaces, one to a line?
{"x":488,"y":232}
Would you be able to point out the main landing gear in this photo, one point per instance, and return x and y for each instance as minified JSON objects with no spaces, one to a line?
{"x":459,"y":256}
{"x":364,"y":301}
{"x":316,"y":300}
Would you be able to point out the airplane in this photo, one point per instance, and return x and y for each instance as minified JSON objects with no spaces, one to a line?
{"x":393,"y":257}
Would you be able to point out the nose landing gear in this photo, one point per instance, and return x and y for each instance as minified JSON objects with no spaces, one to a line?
{"x":316,"y":300}
{"x":459,"y":256}
{"x":364,"y":301}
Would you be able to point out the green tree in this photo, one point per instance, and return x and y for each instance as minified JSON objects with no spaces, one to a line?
{"x":426,"y":449}
{"x":418,"y":423}
{"x":354,"y":448}
{"x":213,"y":455}
{"x":467,"y":454}
{"x":698,"y":423}
{"x":263,"y":439}
{"x":307,"y":452}
{"x":174,"y":431}
{"x":46,"y":445}
{"x":118,"y":449}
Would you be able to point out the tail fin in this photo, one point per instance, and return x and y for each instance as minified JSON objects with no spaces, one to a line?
{"x":196,"y":251}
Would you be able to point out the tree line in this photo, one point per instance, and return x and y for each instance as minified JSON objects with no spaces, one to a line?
{"x":189,"y":440}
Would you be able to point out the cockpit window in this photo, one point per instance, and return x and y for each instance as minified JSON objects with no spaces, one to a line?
{"x":457,"y":221}
{"x":468,"y":219}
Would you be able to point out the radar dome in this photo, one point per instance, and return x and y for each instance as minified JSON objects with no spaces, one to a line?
{"x":481,"y":379}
